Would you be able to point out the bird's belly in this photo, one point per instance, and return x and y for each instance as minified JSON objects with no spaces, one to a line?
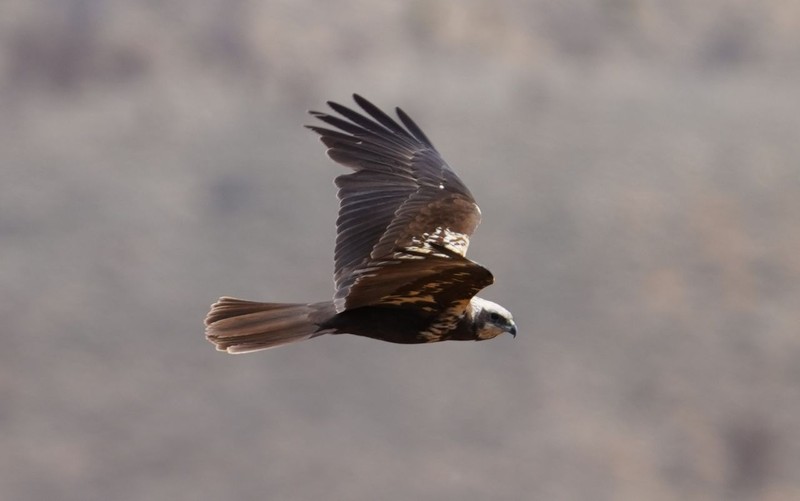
{"x":391,"y":324}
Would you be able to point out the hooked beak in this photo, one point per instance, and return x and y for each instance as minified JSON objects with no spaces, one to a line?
{"x":513,"y":330}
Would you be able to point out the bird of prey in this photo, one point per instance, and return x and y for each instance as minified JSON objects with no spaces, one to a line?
{"x":400,"y":271}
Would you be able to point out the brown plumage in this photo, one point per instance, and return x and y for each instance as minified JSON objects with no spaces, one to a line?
{"x":400,"y":269}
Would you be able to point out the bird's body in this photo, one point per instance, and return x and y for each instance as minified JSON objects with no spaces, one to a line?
{"x":403,"y":229}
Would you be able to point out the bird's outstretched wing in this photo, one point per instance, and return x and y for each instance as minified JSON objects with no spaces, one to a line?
{"x":403,"y":205}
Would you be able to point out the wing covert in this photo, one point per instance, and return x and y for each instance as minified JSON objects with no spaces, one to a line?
{"x":432,"y":280}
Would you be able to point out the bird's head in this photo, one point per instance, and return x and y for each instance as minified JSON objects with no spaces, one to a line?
{"x":491,"y":319}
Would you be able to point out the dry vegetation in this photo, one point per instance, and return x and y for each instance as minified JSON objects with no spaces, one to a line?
{"x":638,"y":166}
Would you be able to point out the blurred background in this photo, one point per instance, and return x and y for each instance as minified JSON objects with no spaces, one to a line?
{"x":638,"y":167}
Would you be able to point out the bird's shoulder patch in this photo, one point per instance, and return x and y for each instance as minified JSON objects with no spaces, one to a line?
{"x":444,"y":324}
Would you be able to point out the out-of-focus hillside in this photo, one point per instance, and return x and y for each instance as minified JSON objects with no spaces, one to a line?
{"x":638,"y":168}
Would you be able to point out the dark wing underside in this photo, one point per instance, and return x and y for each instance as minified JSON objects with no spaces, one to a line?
{"x":401,"y":196}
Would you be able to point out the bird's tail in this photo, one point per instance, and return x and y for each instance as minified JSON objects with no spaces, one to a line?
{"x":238,"y":326}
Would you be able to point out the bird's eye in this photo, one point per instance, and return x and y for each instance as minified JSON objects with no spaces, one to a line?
{"x":494,"y":316}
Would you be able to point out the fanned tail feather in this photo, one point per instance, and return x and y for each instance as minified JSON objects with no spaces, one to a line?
{"x":239,"y":326}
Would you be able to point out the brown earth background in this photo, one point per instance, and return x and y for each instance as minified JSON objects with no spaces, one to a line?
{"x":638,"y":167}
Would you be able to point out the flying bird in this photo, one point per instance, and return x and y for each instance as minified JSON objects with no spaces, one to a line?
{"x":400,"y":268}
